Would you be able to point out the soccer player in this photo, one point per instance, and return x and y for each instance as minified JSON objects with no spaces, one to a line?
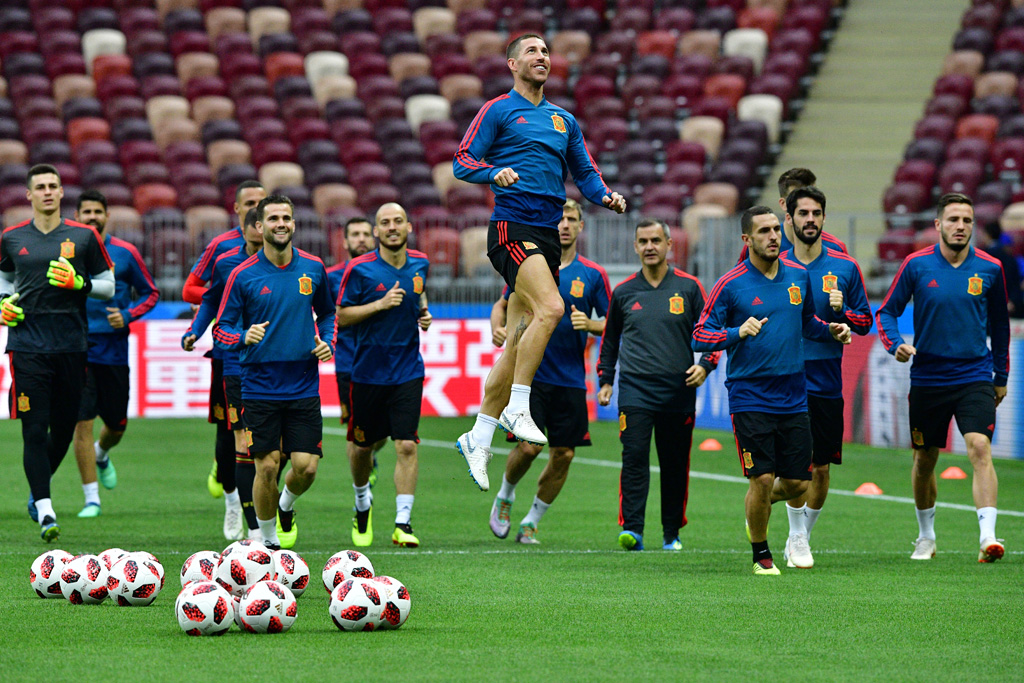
{"x":238,"y":477}
{"x":529,"y":144}
{"x":106,"y":381}
{"x":959,"y":299}
{"x":761,"y":310}
{"x":838,"y":294}
{"x":558,"y":401}
{"x":247,"y":195}
{"x":48,"y":267}
{"x":655,"y":308}
{"x":267,"y":313}
{"x":383,"y":294}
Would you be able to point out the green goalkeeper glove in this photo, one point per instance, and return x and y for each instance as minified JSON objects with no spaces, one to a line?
{"x":10,"y":314}
{"x":62,"y":274}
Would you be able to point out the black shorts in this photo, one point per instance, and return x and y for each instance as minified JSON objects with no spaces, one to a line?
{"x":380,"y":411}
{"x":766,"y":442}
{"x":217,"y":414}
{"x":233,"y":401}
{"x":973,"y":405}
{"x":343,"y":394}
{"x":289,"y":426}
{"x":826,"y":429}
{"x":508,"y":245}
{"x":46,"y":387}
{"x":106,"y":394}
{"x":561,"y":412}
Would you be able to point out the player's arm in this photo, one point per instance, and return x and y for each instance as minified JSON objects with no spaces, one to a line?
{"x":855,"y":310}
{"x":711,"y":333}
{"x":999,"y":331}
{"x":146,"y":293}
{"x":323,"y":307}
{"x":586,"y":175}
{"x":193,"y":290}
{"x":352,"y":306}
{"x":814,"y":327}
{"x":10,"y":312}
{"x":893,"y":305}
{"x":608,"y":355}
{"x":468,"y":163}
{"x":499,"y":315}
{"x":201,"y":273}
{"x":227,"y":331}
{"x":708,"y":361}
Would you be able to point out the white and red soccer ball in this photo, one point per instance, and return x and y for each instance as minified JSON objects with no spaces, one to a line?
{"x":267,"y":607}
{"x":135,"y":581}
{"x":200,"y":566}
{"x":204,"y":608}
{"x":345,"y":565}
{"x":84,"y":580}
{"x":357,"y":604}
{"x":396,"y":602}
{"x":292,"y":571}
{"x":44,"y":574}
{"x":244,"y":564}
{"x":111,"y":555}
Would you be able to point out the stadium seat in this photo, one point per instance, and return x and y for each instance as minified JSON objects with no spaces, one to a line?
{"x":473,"y":248}
{"x":102,"y":41}
{"x":328,"y":197}
{"x":731,"y":87}
{"x":211,"y":108}
{"x":956,"y":84}
{"x":36,"y":130}
{"x":765,"y":108}
{"x":982,"y":126}
{"x":373,"y":196}
{"x":73,"y":87}
{"x":221,"y":20}
{"x":320,"y":64}
{"x":191,"y":65}
{"x":428,"y":21}
{"x":635,"y":89}
{"x":365,"y":175}
{"x":146,"y":172}
{"x":960,"y":175}
{"x":221,"y":153}
{"x":995,"y":192}
{"x":746,"y":42}
{"x":700,"y":42}
{"x":952,"y":106}
{"x":483,"y":43}
{"x":695,"y":215}
{"x":974,"y":149}
{"x":1008,"y":159}
{"x":325,"y":173}
{"x":87,"y":128}
{"x":334,"y":87}
{"x":166,"y":107}
{"x":1006,"y":61}
{"x":13,"y":152}
{"x":420,"y":108}
{"x":154,"y":195}
{"x":935,"y":127}
{"x":965,"y":62}
{"x":266,"y":21}
{"x":706,"y":130}
{"x":175,"y":130}
{"x":723,"y":194}
{"x":408,"y":65}
{"x":201,"y":221}
{"x":916,"y":171}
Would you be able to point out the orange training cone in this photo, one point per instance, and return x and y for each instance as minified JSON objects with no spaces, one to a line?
{"x":710,"y":445}
{"x":953,"y":473}
{"x":868,"y":488}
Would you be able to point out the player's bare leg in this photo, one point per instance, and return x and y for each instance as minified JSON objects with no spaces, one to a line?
{"x":406,"y":475}
{"x":758,"y":506}
{"x":85,"y":457}
{"x":296,"y":482}
{"x":550,"y":484}
{"x":265,"y":495}
{"x":516,"y":467}
{"x":922,"y":476}
{"x":985,"y":487}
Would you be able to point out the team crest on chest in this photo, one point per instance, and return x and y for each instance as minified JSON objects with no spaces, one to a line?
{"x":675,"y":304}
{"x":417,"y":284}
{"x":795,"y":297}
{"x":974,"y":285}
{"x":559,"y":123}
{"x":829,"y":282}
{"x":67,"y":249}
{"x":23,"y":404}
{"x":305,"y":285}
{"x":576,"y":289}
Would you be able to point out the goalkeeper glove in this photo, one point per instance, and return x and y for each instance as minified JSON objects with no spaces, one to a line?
{"x":11,"y":314}
{"x":62,"y":274}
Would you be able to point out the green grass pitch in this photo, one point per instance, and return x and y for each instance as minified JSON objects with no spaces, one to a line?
{"x":573,"y":608}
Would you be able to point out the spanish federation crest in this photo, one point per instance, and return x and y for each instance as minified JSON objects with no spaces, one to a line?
{"x":829,"y":282}
{"x":67,"y":249}
{"x":417,"y":284}
{"x":675,"y":304}
{"x":576,"y":289}
{"x":559,"y":123}
{"x":974,"y":285}
{"x":305,"y":285}
{"x":794,"y":295}
{"x":23,"y":404}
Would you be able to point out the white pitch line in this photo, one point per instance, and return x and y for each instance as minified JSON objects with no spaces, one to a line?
{"x":434,"y":443}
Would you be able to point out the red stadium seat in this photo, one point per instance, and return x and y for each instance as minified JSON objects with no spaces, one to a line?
{"x":916,"y":171}
{"x":937,"y":127}
{"x":983,"y":126}
{"x":1008,"y":159}
{"x":153,"y":196}
{"x":82,"y":129}
{"x":961,"y":175}
{"x":973,"y":149}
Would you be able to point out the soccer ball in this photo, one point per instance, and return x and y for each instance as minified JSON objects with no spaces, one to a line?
{"x":200,"y":566}
{"x":44,"y":575}
{"x":356,"y":605}
{"x":84,"y":580}
{"x":244,"y":543}
{"x":243,"y":566}
{"x":396,"y":602}
{"x":110,"y":556}
{"x":267,"y":607}
{"x":348,"y":564}
{"x":204,"y":609}
{"x":134,"y":581}
{"x":150,"y":557}
{"x":235,"y":600}
{"x":292,"y":571}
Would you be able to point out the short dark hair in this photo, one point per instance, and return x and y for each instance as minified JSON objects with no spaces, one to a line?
{"x":245,"y":185}
{"x":794,"y":178}
{"x":993,"y":230}
{"x":91,"y":196}
{"x":354,"y":220}
{"x":40,"y":169}
{"x":272,"y":199}
{"x":251,"y":217}
{"x":651,"y":222}
{"x":951,"y":198}
{"x":747,"y":219}
{"x":512,"y":51}
{"x":809,"y":192}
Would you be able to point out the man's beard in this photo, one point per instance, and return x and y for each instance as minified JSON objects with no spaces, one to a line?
{"x":799,"y":233}
{"x":353,"y":253}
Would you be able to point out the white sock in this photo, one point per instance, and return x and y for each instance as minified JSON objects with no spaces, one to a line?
{"x":537,"y":511}
{"x":797,"y":519}
{"x":287,"y":501}
{"x":508,"y":490}
{"x":231,"y":500}
{"x":268,"y":529}
{"x":519,"y":400}
{"x":926,"y":523}
{"x":362,"y":497}
{"x":987,"y":522}
{"x":92,"y":493}
{"x":45,"y":508}
{"x":403,"y":505}
{"x":101,"y":453}
{"x":483,"y":430}
{"x":812,"y":517}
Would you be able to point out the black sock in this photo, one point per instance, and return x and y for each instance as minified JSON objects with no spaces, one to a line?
{"x":245,"y":474}
{"x":224,"y":452}
{"x":761,"y":551}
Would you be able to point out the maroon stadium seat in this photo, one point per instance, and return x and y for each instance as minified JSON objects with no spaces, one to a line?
{"x":973,"y":149}
{"x":936,"y":127}
{"x":961,"y":175}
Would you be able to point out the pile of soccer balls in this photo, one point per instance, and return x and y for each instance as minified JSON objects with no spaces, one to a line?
{"x":128,"y":579}
{"x":361,"y":601}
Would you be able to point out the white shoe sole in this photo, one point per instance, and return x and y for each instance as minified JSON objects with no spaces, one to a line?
{"x":505,"y":427}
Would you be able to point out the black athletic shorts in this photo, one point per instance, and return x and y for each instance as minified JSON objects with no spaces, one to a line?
{"x":343,"y":394}
{"x":508,"y":245}
{"x":217,"y":414}
{"x":561,"y":412}
{"x":46,"y":386}
{"x":380,"y":411}
{"x":294,"y":426}
{"x":826,"y":429}
{"x":973,"y":405}
{"x":766,"y":442}
{"x":106,"y":394}
{"x":233,"y":400}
